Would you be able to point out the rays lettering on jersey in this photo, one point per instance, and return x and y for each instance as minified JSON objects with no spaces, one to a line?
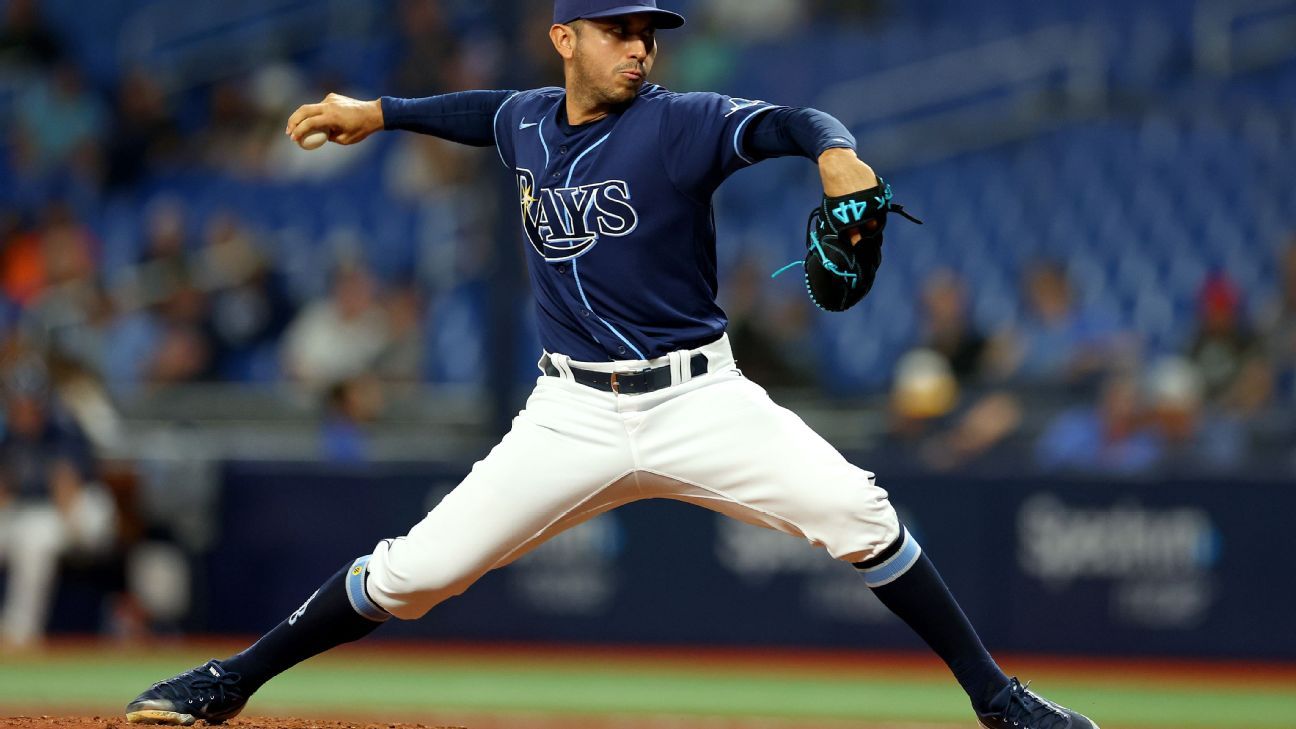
{"x":566,"y":222}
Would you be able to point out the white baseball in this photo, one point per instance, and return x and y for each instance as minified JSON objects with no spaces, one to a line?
{"x":314,"y":140}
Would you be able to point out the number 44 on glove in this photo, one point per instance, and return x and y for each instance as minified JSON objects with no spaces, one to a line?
{"x":838,"y":274}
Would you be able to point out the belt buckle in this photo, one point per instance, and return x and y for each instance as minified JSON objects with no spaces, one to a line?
{"x":616,"y":386}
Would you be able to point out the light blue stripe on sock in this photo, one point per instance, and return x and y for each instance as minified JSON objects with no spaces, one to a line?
{"x":891,"y":570}
{"x":360,"y":601}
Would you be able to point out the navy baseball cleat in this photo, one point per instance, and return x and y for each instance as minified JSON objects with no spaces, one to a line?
{"x":207,"y":692}
{"x":1016,"y":707}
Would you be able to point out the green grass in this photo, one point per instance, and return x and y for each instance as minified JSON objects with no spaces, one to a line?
{"x":100,"y":681}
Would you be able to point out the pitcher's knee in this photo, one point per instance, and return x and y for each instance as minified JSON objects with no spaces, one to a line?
{"x":408,"y":586}
{"x":863,"y":527}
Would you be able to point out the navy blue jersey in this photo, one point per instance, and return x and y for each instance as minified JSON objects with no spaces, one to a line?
{"x":618,"y":211}
{"x":618,"y":216}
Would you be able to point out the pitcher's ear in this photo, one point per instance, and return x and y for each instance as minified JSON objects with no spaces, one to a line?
{"x":564,"y":40}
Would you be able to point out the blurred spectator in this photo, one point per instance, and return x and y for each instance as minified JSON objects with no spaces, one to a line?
{"x":1193,"y":439}
{"x":540,"y":65}
{"x":947,"y":326}
{"x":1229,"y":355}
{"x":934,"y":425}
{"x":60,"y":124}
{"x":425,"y":167}
{"x":428,"y":50}
{"x":756,"y":19}
{"x":225,"y":141}
{"x":249,"y":306}
{"x":1109,"y":438}
{"x":49,"y":504}
{"x":350,"y":406}
{"x":339,"y":337}
{"x":22,"y":264}
{"x":168,"y":340}
{"x":70,"y":308}
{"x":402,"y":359}
{"x":184,"y":352}
{"x":140,"y":293}
{"x":923,"y":391}
{"x":163,"y":263}
{"x":1057,"y":342}
{"x":80,"y":391}
{"x":145,"y":135}
{"x":1278,"y":326}
{"x":25,"y":40}
{"x":766,"y":332}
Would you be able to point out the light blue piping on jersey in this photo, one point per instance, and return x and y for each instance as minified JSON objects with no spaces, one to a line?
{"x":495,"y":126}
{"x":540,"y":132}
{"x":575,"y":271}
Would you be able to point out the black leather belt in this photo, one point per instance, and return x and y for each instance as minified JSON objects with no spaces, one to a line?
{"x":630,"y":383}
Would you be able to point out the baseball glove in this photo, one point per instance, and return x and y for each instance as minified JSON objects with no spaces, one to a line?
{"x":837,"y":274}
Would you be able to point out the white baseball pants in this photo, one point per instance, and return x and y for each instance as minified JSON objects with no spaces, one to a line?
{"x":574,"y":452}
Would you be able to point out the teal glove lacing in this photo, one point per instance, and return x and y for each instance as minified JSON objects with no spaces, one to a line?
{"x":817,"y":247}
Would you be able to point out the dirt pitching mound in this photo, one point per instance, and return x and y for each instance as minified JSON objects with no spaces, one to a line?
{"x":96,"y":722}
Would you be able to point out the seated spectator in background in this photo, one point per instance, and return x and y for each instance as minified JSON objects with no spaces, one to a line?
{"x":1110,"y":438}
{"x":757,"y":19}
{"x":402,"y":358}
{"x":26,"y":42}
{"x":1278,"y":327}
{"x":22,"y":263}
{"x":71,"y":311}
{"x":156,"y":336}
{"x":184,"y":350}
{"x":1193,"y":440}
{"x":249,"y":307}
{"x":339,"y":337}
{"x":933,"y":426}
{"x":1057,"y":342}
{"x":59,"y":124}
{"x":49,"y":505}
{"x":145,"y":134}
{"x":1228,"y":354}
{"x":767,"y":333}
{"x":163,"y":263}
{"x":947,"y":326}
{"x":350,"y":405}
{"x":427,"y":49}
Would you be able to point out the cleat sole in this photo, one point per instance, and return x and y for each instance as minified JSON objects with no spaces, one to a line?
{"x":983,"y":726}
{"x":153,"y":716}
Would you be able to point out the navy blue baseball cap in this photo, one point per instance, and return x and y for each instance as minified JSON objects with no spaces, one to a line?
{"x":565,"y":11}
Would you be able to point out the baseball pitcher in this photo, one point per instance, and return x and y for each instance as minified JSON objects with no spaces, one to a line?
{"x":638,"y":394}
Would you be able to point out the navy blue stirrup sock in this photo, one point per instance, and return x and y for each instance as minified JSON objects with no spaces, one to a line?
{"x":339,"y":612}
{"x":908,"y":584}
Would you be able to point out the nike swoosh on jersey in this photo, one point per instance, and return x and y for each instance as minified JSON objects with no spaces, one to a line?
{"x":525,"y":125}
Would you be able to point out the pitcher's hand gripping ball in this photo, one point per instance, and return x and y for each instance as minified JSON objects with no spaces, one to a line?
{"x":838,"y":274}
{"x":314,"y":140}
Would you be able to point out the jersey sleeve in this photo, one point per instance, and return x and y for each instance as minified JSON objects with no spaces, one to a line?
{"x":785,"y":132}
{"x":703,"y":138}
{"x":466,"y":117}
